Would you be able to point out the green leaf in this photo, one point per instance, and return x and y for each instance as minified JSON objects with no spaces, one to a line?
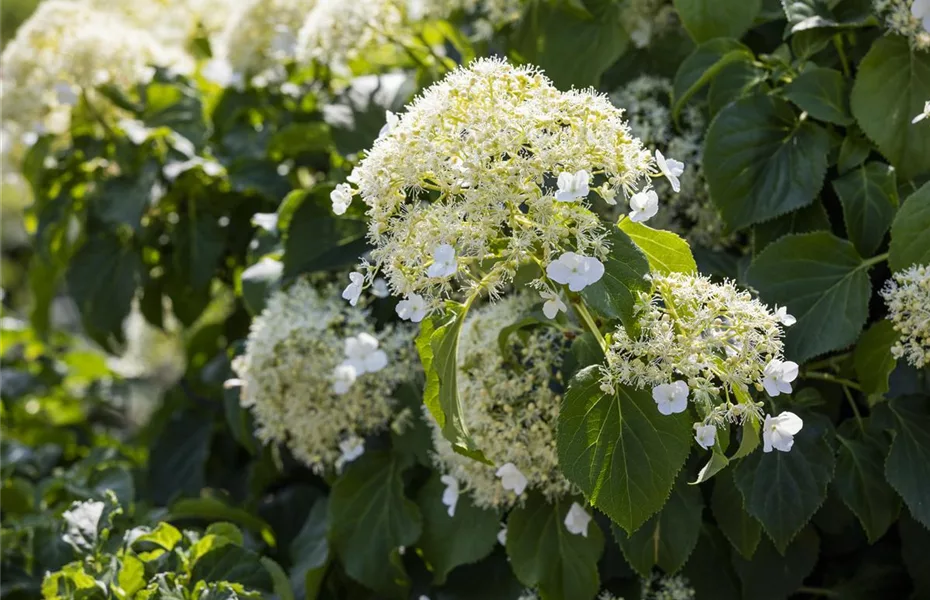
{"x":545,"y":555}
{"x":370,"y":518}
{"x":281,"y":584}
{"x":822,"y":93}
{"x":165,"y":536}
{"x":665,"y":251}
{"x":804,"y":220}
{"x":702,"y":66}
{"x":625,"y":273}
{"x":783,"y":490}
{"x":668,"y":538}
{"x":178,"y":459}
{"x":860,"y":483}
{"x":356,"y":115}
{"x":295,"y":139}
{"x":234,"y":564}
{"x":910,"y":232}
{"x":317,"y":240}
{"x":619,"y":450}
{"x":908,"y":465}
{"x":310,"y":552}
{"x":825,"y":285}
{"x":200,"y":244}
{"x":807,"y":14}
{"x":854,"y":150}
{"x":739,"y":527}
{"x":258,"y":281}
{"x":892,"y":84}
{"x":124,"y":199}
{"x":131,"y":576}
{"x":473,"y":529}
{"x":438,"y":345}
{"x":761,"y":161}
{"x":771,"y":575}
{"x":214,"y":509}
{"x":708,"y":570}
{"x":102,"y":280}
{"x":709,"y":19}
{"x":869,"y":195}
{"x":734,"y":81}
{"x":872,"y":358}
{"x":915,"y":539}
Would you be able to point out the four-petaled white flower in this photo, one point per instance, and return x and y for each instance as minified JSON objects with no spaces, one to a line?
{"x":502,"y":536}
{"x":363,"y":354}
{"x":344,"y":376}
{"x":778,"y":432}
{"x":444,"y":263}
{"x":671,"y":168}
{"x":391,"y":121}
{"x":572,"y":186}
{"x":511,"y":478}
{"x":926,"y":113}
{"x":577,"y":520}
{"x":350,"y":449}
{"x":354,"y":289}
{"x":380,"y":288}
{"x":705,"y":435}
{"x":553,"y":304}
{"x":575,"y":270}
{"x":643,"y":206}
{"x":341,"y":198}
{"x":778,"y":375}
{"x":450,"y":496}
{"x":671,"y":398}
{"x":781,"y":313}
{"x":411,"y":308}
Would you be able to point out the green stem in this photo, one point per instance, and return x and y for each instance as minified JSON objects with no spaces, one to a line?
{"x":585,"y":315}
{"x":829,"y":362}
{"x":832,"y":379}
{"x":814,"y":591}
{"x":838,"y":42}
{"x":875,"y":260}
{"x":855,"y":408}
{"x":97,"y":115}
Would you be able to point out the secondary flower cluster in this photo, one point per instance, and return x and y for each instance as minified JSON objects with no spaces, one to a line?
{"x":318,"y":377}
{"x":907,"y":295}
{"x":646,"y":20}
{"x":511,"y":406}
{"x":646,"y":103}
{"x":66,"y":49}
{"x":910,"y":18}
{"x":491,"y":169}
{"x":706,"y":342}
{"x":174,"y":22}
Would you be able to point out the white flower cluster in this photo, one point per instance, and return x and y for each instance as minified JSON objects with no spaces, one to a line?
{"x":488,"y":170}
{"x":645,"y":20}
{"x":171,"y":22}
{"x":907,"y":295}
{"x":646,"y":102}
{"x":489,"y":15}
{"x":511,"y":408}
{"x":260,"y":34}
{"x":66,"y":49}
{"x":318,"y":377}
{"x":910,"y":18}
{"x":705,"y":341}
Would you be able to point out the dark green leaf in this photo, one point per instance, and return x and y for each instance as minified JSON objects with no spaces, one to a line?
{"x":854,"y":151}
{"x":825,"y":285}
{"x":665,"y":251}
{"x":234,"y":564}
{"x":258,"y":281}
{"x":295,"y":139}
{"x":891,"y":87}
{"x":873,"y":360}
{"x":910,"y":232}
{"x":860,"y":481}
{"x":124,"y":199}
{"x":915,"y":540}
{"x":734,"y":81}
{"x":740,"y":528}
{"x":214,"y":509}
{"x":773,"y":576}
{"x":200,"y":244}
{"x":310,"y":552}
{"x":316,"y":240}
{"x":761,"y":161}
{"x":178,"y":458}
{"x":619,"y":450}
{"x":822,"y":93}
{"x":869,"y":195}
{"x":908,"y":465}
{"x":709,"y":19}
{"x":370,"y":518}
{"x":708,"y":570}
{"x":625,"y":273}
{"x":356,"y":116}
{"x":705,"y":63}
{"x":804,"y":220}
{"x":280,"y":583}
{"x":544,"y":554}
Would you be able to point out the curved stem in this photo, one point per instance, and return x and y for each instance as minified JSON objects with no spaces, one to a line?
{"x":589,"y":321}
{"x":855,"y":408}
{"x":832,"y":379}
{"x":875,"y":260}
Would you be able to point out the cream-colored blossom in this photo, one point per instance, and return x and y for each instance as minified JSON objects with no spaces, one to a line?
{"x":907,"y":295}
{"x":288,"y":373}
{"x":690,"y":213}
{"x":646,"y":20}
{"x":474,"y":163}
{"x":171,"y":22}
{"x":69,"y":46}
{"x":713,"y":337}
{"x":910,"y":18}
{"x":261,"y":34}
{"x":510,"y":406}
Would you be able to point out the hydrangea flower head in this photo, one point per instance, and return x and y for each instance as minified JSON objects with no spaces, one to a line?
{"x":907,"y":295}
{"x":256,"y":36}
{"x":313,"y":374}
{"x":480,"y":162}
{"x":910,"y":18}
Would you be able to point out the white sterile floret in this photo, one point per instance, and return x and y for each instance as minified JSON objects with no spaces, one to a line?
{"x":510,"y":406}
{"x":350,"y":449}
{"x":472,"y":164}
{"x":705,"y":435}
{"x":450,"y":495}
{"x":390,"y":121}
{"x":572,"y":186}
{"x":444,"y":263}
{"x":553,"y":304}
{"x":671,"y":398}
{"x":575,"y":271}
{"x":778,"y":432}
{"x":411,"y":308}
{"x":644,"y":206}
{"x":502,"y":536}
{"x":260,"y":34}
{"x":909,"y":18}
{"x":511,"y":478}
{"x":354,"y":289}
{"x":672,"y":169}
{"x":379,"y":288}
{"x":923,"y":115}
{"x":300,"y":386}
{"x":781,"y":313}
{"x":778,"y":375}
{"x":341,"y":198}
{"x":907,"y":295}
{"x":577,"y":520}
